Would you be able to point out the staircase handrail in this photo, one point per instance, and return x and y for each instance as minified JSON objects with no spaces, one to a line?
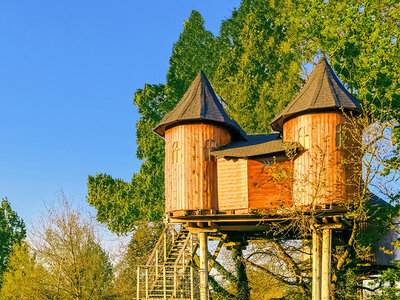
{"x":153,"y":253}
{"x":183,"y":248}
{"x":160,"y":240}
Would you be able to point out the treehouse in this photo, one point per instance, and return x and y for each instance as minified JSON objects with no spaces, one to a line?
{"x":213,"y":167}
{"x":224,"y":183}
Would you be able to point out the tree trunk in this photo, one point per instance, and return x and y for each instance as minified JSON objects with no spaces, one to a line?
{"x":242,"y":285}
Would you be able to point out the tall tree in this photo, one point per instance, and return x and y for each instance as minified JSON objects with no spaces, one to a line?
{"x":67,"y":245}
{"x":120,"y":204}
{"x":264,"y":49}
{"x":12,"y":231}
{"x":25,"y":277}
{"x":260,"y":67}
{"x":197,"y":49}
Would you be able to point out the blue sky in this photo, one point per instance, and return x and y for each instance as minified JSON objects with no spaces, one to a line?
{"x":68,"y":72}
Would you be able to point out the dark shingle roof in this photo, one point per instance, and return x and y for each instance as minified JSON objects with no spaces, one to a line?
{"x":323,"y":90}
{"x":200,"y":103}
{"x":256,"y":145}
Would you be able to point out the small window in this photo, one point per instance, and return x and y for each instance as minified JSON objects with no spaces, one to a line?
{"x":339,"y":136}
{"x":304,"y":138}
{"x":208,"y":147}
{"x":175,"y":152}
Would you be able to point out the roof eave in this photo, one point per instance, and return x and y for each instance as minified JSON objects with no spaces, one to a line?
{"x":277,"y":123}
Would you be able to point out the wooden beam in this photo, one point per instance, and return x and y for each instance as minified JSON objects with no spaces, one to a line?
{"x":215,"y":255}
{"x":203,"y":266}
{"x":326,"y":264}
{"x":329,"y":226}
{"x":138,"y":282}
{"x":242,"y":228}
{"x":316,"y":265}
{"x":200,"y":230}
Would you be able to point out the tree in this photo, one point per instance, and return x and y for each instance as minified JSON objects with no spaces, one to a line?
{"x":197,"y":49}
{"x":264,"y":51}
{"x":25,"y":278}
{"x":12,"y":231}
{"x":260,"y":67}
{"x":368,"y":218}
{"x":120,"y":204}
{"x":67,"y":246}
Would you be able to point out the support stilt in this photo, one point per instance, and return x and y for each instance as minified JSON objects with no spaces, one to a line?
{"x":203,"y":266}
{"x":316,"y":265}
{"x":326,"y":264}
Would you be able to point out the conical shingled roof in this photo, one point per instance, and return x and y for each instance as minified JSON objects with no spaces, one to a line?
{"x":200,"y":103}
{"x":322,"y":91}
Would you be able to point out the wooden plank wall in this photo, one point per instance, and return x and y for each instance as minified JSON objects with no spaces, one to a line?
{"x":232,"y":184}
{"x":269,"y":186}
{"x":191,"y":181}
{"x":319,"y":174}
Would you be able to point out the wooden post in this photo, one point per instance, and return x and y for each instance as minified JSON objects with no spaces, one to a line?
{"x":203,"y":266}
{"x":183,"y":258}
{"x":138,"y":283}
{"x":165,"y":247}
{"x":326,"y":264}
{"x":164,"y":283}
{"x":175,"y":283}
{"x":191,"y":268}
{"x":316,"y":266}
{"x":156,"y":262}
{"x":191,"y":284}
{"x":147,"y":283}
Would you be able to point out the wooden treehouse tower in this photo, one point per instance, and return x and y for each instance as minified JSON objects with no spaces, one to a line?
{"x":220,"y":181}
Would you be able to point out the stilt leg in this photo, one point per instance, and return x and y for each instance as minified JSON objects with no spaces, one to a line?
{"x":326,"y":263}
{"x":203,"y":266}
{"x":316,"y":266}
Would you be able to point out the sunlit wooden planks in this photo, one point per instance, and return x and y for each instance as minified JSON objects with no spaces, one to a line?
{"x":319,"y":174}
{"x":190,"y":175}
{"x":232,"y":184}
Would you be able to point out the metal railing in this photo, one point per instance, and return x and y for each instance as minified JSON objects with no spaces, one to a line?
{"x":164,"y":244}
{"x":167,"y":282}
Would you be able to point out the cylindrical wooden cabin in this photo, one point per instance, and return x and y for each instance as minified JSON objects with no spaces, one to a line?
{"x":327,"y":171}
{"x":190,"y":170}
{"x":321,"y":172}
{"x":196,"y":126}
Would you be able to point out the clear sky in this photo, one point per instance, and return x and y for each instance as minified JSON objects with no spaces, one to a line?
{"x":68,"y":72}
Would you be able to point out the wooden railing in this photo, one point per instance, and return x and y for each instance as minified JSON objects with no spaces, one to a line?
{"x":172,"y":271}
{"x":160,"y":251}
{"x":177,"y":283}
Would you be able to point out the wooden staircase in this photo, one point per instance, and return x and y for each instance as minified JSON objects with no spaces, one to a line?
{"x":170,"y":272}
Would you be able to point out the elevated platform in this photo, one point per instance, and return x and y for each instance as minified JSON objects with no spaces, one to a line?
{"x":253,"y":221}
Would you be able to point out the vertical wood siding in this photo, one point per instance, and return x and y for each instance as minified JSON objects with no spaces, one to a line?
{"x":191,"y":181}
{"x":319,"y":175}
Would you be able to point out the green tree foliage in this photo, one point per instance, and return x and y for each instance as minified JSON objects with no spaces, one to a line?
{"x":259,"y":70}
{"x":120,"y":204}
{"x":258,"y":65}
{"x":76,"y":262}
{"x":361,"y":39}
{"x":63,"y":261}
{"x":25,"y":278}
{"x":12,"y":231}
{"x":197,"y":49}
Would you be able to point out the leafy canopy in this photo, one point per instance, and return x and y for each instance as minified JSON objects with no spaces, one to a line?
{"x":120,"y":204}
{"x":12,"y":231}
